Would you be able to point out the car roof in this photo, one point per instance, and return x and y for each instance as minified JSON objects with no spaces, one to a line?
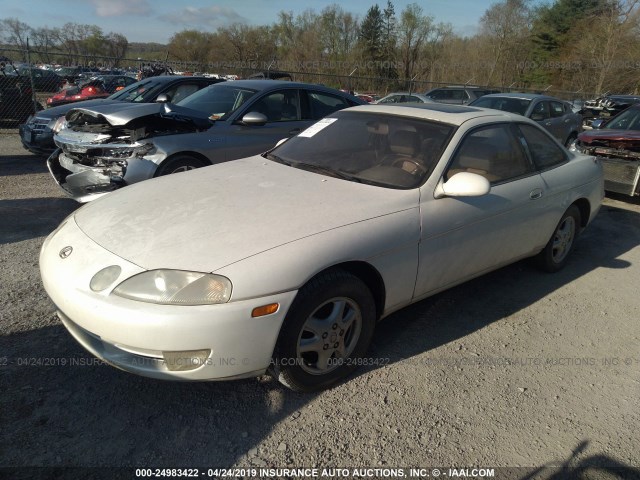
{"x":266,"y":84}
{"x":440,"y":112}
{"x":171,"y":78}
{"x":405,"y":93}
{"x":523,"y":96}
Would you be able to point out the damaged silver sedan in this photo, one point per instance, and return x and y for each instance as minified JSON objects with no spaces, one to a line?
{"x":104,"y":148}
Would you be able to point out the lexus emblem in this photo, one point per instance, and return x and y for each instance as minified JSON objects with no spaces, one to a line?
{"x":65,"y":252}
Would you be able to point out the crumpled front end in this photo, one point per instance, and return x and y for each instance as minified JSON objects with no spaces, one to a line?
{"x":619,"y":153}
{"x":88,"y":165}
{"x":100,"y":153}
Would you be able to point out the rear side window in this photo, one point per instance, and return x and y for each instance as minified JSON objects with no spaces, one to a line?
{"x":544,"y":152}
{"x":322,"y":104}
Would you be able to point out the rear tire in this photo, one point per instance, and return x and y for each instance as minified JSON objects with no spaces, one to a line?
{"x":556,"y":253}
{"x":179,"y":163}
{"x":326,"y":332}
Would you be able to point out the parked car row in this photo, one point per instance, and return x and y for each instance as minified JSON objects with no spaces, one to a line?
{"x":332,"y":215}
{"x":37,"y":133}
{"x":105,"y":147}
{"x":100,"y":86}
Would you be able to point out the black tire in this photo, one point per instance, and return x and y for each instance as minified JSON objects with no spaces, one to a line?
{"x":311,"y":325}
{"x":177,"y":164}
{"x":556,"y":253}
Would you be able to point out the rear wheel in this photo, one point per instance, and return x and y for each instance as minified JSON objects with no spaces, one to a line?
{"x":179,"y":163}
{"x":556,"y":253}
{"x":325,"y":333}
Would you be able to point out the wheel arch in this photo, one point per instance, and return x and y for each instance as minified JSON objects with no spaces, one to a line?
{"x":585,"y":210}
{"x":368,"y":274}
{"x":200,"y":157}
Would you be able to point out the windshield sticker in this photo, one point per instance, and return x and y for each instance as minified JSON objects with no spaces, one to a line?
{"x":317,"y":127}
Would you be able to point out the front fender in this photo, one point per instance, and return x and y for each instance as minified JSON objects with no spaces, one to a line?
{"x":388,"y":243}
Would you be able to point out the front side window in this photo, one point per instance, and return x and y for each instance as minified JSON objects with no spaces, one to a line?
{"x":280,"y":106}
{"x":493,"y":152}
{"x":182,"y":91}
{"x":557,"y":109}
{"x":389,"y":99}
{"x":137,"y":92}
{"x":379,"y":149}
{"x":506,"y":104}
{"x":544,"y":152}
{"x":540,"y":111}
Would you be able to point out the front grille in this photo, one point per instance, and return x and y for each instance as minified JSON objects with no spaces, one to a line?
{"x":38,"y":124}
{"x":621,"y":176}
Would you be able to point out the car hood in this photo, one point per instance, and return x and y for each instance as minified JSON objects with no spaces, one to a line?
{"x":610,"y":135}
{"x":56,"y":112}
{"x":121,"y":114}
{"x":208,"y":218}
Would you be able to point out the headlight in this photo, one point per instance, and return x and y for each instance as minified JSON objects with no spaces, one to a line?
{"x":176,"y":287}
{"x":59,"y":124}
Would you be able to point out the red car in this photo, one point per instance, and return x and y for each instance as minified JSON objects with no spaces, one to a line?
{"x":616,"y":142}
{"x":97,"y":87}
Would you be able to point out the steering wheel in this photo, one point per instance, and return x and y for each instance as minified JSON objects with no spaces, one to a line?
{"x":401,"y":162}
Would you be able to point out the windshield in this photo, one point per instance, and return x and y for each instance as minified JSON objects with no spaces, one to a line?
{"x":374,"y":148}
{"x":627,"y":120}
{"x":513,"y":105}
{"x":218,"y":101}
{"x":139,"y":91}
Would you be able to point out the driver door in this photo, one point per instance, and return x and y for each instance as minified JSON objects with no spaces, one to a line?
{"x":463,"y":237}
{"x":282,"y":109}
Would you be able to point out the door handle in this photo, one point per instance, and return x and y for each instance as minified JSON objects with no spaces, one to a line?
{"x":294,"y":131}
{"x":548,"y":124}
{"x":535,"y":194}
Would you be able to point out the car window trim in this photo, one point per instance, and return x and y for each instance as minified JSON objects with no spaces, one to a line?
{"x":510,"y":125}
{"x":264,"y":94}
{"x":523,"y":139}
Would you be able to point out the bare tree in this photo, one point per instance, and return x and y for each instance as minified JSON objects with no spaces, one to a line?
{"x":506,"y":26}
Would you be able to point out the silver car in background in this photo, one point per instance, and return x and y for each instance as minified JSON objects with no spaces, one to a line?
{"x":404,"y":97}
{"x":556,"y":115}
{"x":104,"y":148}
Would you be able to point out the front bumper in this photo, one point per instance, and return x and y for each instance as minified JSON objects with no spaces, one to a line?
{"x":81,"y":182}
{"x":37,"y":138}
{"x":141,"y":337}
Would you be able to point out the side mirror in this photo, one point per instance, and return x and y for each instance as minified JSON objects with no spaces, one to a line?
{"x":256,"y":119}
{"x":463,"y":184}
{"x":163,"y":98}
{"x":597,"y":123}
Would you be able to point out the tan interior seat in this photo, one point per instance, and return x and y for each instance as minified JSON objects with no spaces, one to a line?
{"x":404,"y":150}
{"x":476,"y":158}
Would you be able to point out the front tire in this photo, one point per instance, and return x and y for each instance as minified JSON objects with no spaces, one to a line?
{"x":179,"y":163}
{"x":556,"y":253}
{"x":326,"y":331}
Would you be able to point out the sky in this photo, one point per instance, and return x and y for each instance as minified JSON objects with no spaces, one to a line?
{"x":158,"y":20}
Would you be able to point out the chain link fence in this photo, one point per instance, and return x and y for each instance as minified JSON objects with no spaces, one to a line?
{"x":29,"y":76}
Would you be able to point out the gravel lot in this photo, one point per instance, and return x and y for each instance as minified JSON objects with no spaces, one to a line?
{"x":515,"y":369}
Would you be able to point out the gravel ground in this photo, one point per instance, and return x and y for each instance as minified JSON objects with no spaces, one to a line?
{"x":515,"y":369}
